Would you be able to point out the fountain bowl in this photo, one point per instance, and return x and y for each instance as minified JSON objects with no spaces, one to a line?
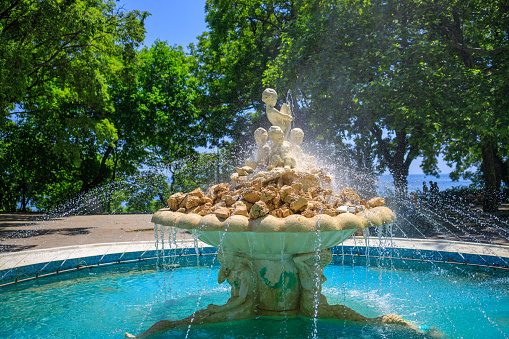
{"x":270,"y":235}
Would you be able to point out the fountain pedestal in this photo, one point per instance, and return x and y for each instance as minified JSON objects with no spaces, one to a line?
{"x":281,"y":268}
{"x":278,"y":285}
{"x":274,"y":265}
{"x":281,"y":285}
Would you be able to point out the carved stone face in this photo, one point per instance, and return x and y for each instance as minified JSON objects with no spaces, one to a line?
{"x":260,"y":136}
{"x":297,"y":136}
{"x":297,"y":140}
{"x":271,"y":101}
{"x":276,"y":135}
{"x":269,"y":96}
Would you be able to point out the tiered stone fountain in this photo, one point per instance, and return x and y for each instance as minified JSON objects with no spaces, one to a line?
{"x":274,"y":226}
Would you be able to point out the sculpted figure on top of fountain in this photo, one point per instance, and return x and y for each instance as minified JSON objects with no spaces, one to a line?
{"x":282,"y":119}
{"x":260,"y":158}
{"x":303,"y":161}
{"x":281,"y":155}
{"x":284,"y":158}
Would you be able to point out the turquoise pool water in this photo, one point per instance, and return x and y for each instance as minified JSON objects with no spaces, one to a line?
{"x":105,"y":302}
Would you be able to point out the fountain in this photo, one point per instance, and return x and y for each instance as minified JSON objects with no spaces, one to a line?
{"x":274,"y":227}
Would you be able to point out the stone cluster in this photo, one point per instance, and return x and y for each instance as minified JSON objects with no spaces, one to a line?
{"x":256,"y":199}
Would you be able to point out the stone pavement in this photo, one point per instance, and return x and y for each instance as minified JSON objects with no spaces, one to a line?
{"x":28,"y":231}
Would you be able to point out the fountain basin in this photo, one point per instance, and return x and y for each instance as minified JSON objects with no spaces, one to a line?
{"x":274,"y":265}
{"x":270,"y":235}
{"x":269,"y":224}
{"x":270,"y":244}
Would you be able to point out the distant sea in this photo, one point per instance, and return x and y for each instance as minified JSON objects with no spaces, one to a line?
{"x":415,"y":182}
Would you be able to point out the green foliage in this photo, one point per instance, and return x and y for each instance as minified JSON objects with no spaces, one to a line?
{"x":73,"y":147}
{"x":55,"y":60}
{"x":375,"y":84}
{"x":474,"y":62}
{"x":145,"y":192}
{"x":415,"y":77}
{"x":155,"y":114}
{"x":51,"y":49}
{"x":354,"y":67}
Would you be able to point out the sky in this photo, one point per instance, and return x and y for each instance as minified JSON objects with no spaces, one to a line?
{"x":180,"y":22}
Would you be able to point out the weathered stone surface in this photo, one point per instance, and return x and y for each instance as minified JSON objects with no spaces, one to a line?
{"x":268,"y":195}
{"x":216,"y":191}
{"x":196,"y":209}
{"x":239,"y":208}
{"x":258,"y":198}
{"x":330,"y":211}
{"x":258,"y":210}
{"x":342,"y":209}
{"x":175,"y":201}
{"x":375,"y":202}
{"x":298,"y":204}
{"x":196,"y":193}
{"x":257,"y":184}
{"x":315,"y":191}
{"x":192,"y":201}
{"x":308,"y":213}
{"x":244,"y":171}
{"x":248,"y":205}
{"x":228,"y":200}
{"x":251,"y":195}
{"x":285,"y":211}
{"x":348,"y":194}
{"x":207,"y":209}
{"x":206,"y":200}
{"x":285,"y":191}
{"x":282,"y":220}
{"x":222,"y":212}
{"x":297,"y":187}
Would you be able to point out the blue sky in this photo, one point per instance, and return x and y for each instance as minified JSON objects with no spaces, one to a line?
{"x":180,"y":22}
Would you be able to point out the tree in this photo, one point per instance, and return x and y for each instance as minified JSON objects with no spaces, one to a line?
{"x":203,"y":170}
{"x":415,"y":77}
{"x":156,"y":115}
{"x":55,"y":57}
{"x":49,"y":46}
{"x":474,"y":43}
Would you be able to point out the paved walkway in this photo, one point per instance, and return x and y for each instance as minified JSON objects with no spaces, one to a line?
{"x":21,"y":232}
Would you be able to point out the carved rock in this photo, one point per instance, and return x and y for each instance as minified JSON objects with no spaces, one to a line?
{"x":175,"y":201}
{"x":258,"y":210}
{"x":375,"y":202}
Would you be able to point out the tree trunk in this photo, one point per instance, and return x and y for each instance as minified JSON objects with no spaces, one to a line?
{"x":490,"y":202}
{"x":100,"y":175}
{"x":400,"y":177}
{"x":397,"y":161}
{"x":24,"y":200}
{"x":112,"y":182}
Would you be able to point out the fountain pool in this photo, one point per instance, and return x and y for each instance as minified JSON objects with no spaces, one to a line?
{"x":459,"y":300}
